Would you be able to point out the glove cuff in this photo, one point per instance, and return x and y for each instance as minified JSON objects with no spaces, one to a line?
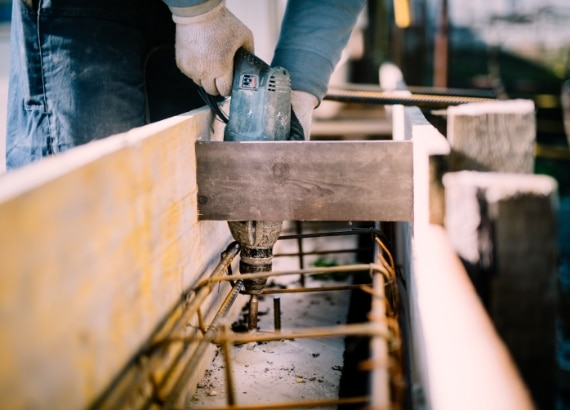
{"x":303,"y":104}
{"x":194,"y":11}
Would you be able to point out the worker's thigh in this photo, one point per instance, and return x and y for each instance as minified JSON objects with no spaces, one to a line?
{"x":78,"y":72}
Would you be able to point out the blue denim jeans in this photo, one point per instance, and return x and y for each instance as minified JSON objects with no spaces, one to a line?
{"x":82,"y":70}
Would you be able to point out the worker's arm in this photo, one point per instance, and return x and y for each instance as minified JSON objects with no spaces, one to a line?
{"x":207,"y":38}
{"x":313,"y":35}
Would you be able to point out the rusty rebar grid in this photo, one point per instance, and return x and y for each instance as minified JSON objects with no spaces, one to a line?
{"x":384,"y":328}
{"x":349,"y":269}
{"x":168,"y":373}
{"x":344,"y":232}
{"x":379,"y":327}
{"x":301,"y":252}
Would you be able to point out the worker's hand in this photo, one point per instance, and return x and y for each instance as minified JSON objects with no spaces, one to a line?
{"x":206,"y":44}
{"x":302,"y":106}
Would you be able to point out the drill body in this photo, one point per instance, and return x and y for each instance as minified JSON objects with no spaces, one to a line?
{"x":260,"y":110}
{"x":260,"y":107}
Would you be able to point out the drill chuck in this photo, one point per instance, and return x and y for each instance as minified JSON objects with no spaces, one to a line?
{"x":256,"y":239}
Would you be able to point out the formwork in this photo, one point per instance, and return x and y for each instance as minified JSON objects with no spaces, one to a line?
{"x":120,"y":287}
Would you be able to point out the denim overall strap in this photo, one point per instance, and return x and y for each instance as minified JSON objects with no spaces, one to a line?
{"x":78,"y":73}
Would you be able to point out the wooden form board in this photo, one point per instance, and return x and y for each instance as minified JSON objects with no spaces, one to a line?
{"x":496,"y":136}
{"x":309,"y":180}
{"x":457,"y":358}
{"x":97,"y":246}
{"x":503,"y":226}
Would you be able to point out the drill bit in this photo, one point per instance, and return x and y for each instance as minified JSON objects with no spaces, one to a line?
{"x":256,"y":239}
{"x":253,"y":310}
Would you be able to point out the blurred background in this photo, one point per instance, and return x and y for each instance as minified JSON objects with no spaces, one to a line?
{"x":514,"y":48}
{"x":517,"y":48}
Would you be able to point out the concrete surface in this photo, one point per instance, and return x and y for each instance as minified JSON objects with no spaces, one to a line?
{"x":288,"y":370}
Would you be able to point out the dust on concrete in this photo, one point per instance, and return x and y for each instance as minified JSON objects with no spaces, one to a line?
{"x":285,"y":370}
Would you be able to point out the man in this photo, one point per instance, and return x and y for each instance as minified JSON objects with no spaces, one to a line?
{"x":82,"y":70}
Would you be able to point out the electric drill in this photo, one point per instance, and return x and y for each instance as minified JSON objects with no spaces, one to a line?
{"x":260,"y":110}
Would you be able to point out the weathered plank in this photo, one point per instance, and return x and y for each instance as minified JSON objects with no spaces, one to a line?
{"x":311,"y":180}
{"x":464,"y":363}
{"x":457,"y":360}
{"x":97,"y":246}
{"x":503,"y":226}
{"x":494,"y":136}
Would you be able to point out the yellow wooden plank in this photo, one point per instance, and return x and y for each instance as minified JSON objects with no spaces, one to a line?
{"x":96,"y":246}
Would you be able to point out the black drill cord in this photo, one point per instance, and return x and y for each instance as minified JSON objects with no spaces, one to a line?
{"x":213,"y":101}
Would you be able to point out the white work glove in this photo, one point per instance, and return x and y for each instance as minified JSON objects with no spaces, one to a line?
{"x":303,"y":104}
{"x":206,"y":44}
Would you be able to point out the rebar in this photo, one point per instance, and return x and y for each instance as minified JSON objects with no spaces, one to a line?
{"x":277,"y":314}
{"x":414,"y":89}
{"x":371,"y":267}
{"x":301,"y":253}
{"x":208,"y":337}
{"x":295,"y":404}
{"x":375,"y":329}
{"x":228,"y":366}
{"x":175,"y":379}
{"x":325,"y":252}
{"x":398,"y":98}
{"x":308,"y":290}
{"x":252,"y":313}
{"x":354,"y":231}
{"x":137,"y":381}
